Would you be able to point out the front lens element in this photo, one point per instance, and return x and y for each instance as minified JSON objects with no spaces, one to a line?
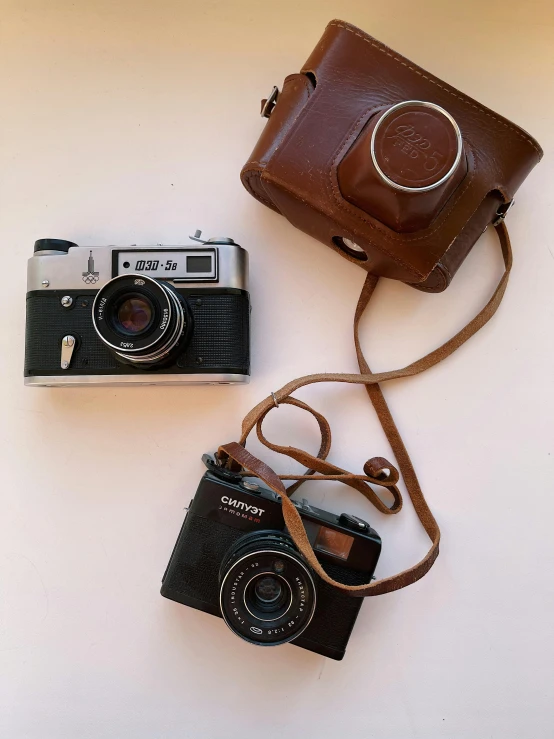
{"x":267,"y":590}
{"x":267,"y":598}
{"x":135,"y":314}
{"x":267,"y":593}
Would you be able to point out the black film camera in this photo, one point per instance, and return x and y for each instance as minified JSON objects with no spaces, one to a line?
{"x":234,"y":559}
{"x":137,"y":315}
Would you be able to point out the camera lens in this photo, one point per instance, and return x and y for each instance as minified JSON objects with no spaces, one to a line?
{"x":267,"y":593}
{"x":142,"y":319}
{"x":134,"y":315}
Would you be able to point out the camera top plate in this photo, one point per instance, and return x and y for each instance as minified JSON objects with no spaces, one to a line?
{"x":90,"y":268}
{"x":227,"y":498}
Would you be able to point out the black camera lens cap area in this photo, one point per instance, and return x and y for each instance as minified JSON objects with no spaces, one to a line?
{"x":256,"y":557}
{"x":53,"y":245}
{"x":111,"y":295}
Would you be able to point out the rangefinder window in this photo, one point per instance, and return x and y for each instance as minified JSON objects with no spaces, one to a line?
{"x":168,"y":264}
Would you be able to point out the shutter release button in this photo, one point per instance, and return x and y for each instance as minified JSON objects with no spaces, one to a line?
{"x":353,"y":522}
{"x":251,"y":486}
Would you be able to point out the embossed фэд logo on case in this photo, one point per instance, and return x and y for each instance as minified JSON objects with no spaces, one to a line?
{"x":411,"y":143}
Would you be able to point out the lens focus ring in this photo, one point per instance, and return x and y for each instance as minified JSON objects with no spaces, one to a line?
{"x":140,"y":318}
{"x":267,"y":593}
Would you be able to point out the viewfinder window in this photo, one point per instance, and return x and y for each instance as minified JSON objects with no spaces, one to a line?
{"x":199,"y":264}
{"x":333,"y":542}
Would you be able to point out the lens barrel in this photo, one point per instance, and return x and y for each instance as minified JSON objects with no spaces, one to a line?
{"x":142,"y":319}
{"x":267,"y":592}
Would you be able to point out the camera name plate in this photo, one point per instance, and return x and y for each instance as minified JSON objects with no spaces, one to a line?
{"x":176,"y":264}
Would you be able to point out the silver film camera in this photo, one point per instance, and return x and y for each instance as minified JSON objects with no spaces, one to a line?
{"x":155,"y":315}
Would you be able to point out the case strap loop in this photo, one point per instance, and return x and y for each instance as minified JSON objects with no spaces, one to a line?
{"x":378,"y":471}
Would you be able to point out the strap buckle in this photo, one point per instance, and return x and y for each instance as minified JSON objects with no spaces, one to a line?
{"x":502,"y":212}
{"x":275,"y":401}
{"x":269,"y":104}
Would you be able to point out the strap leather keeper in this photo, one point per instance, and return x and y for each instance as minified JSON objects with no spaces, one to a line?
{"x":385,"y":163}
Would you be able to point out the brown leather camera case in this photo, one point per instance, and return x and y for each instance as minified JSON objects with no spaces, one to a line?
{"x":336,"y":136}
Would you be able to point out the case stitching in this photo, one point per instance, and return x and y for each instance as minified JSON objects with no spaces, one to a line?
{"x":384,"y":50}
{"x":247,"y":176}
{"x":446,"y":279}
{"x":429,"y":289}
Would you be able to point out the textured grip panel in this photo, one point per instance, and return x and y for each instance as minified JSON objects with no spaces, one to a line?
{"x":220,"y":340}
{"x":221,"y":332}
{"x":48,"y":322}
{"x":193,"y":569}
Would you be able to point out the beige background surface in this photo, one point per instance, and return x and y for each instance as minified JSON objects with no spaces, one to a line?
{"x":128,"y":122}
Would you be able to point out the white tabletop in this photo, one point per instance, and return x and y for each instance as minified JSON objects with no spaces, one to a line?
{"x":128,"y":122}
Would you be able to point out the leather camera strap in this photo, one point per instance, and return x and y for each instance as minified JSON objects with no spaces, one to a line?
{"x":378,"y":471}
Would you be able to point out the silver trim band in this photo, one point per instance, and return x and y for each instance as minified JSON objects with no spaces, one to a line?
{"x":135,"y":379}
{"x":452,"y":169}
